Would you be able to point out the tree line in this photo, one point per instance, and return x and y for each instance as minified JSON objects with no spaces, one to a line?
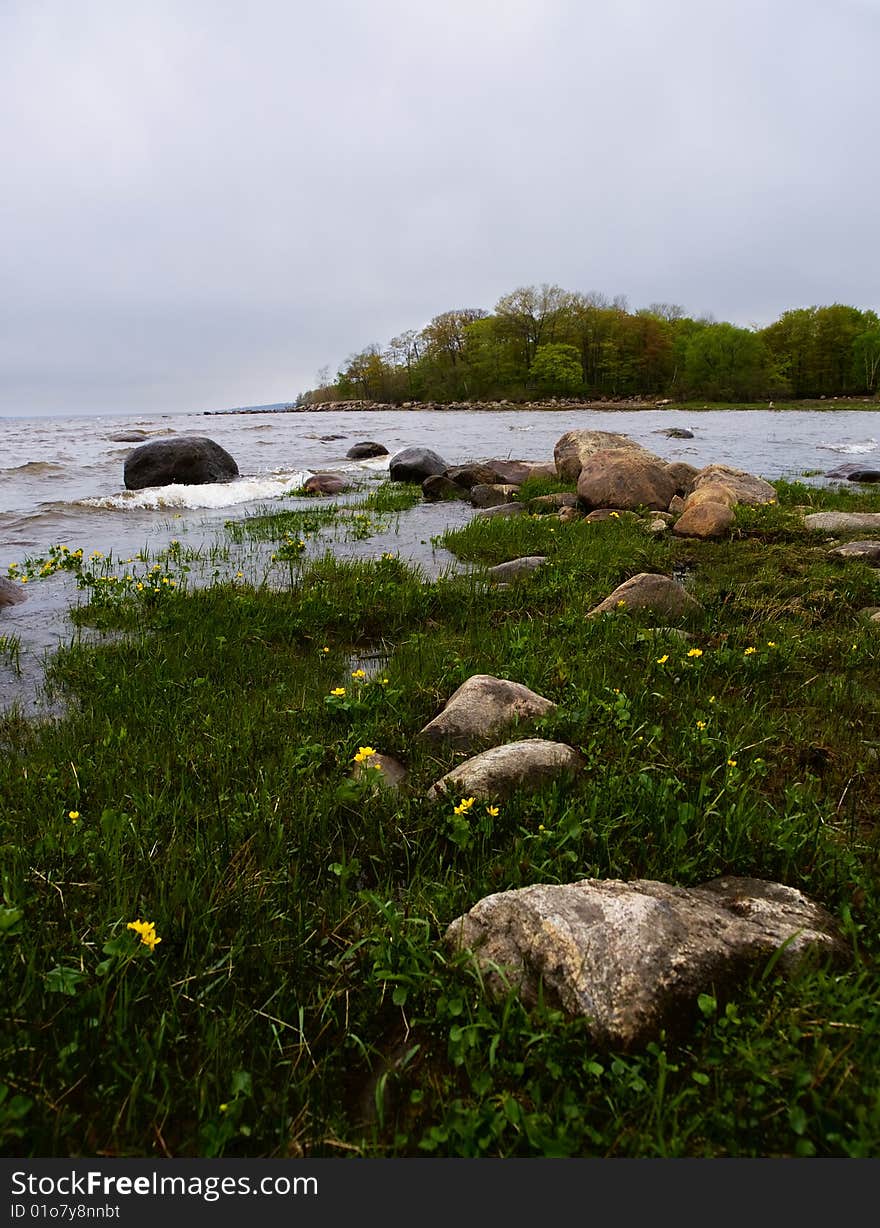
{"x":543,"y":341}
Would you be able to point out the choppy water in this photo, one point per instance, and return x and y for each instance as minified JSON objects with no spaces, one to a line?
{"x":61,"y":479}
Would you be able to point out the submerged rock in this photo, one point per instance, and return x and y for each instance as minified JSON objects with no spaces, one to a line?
{"x":326,"y":484}
{"x":632,"y":957}
{"x":10,"y":593}
{"x":365,"y":450}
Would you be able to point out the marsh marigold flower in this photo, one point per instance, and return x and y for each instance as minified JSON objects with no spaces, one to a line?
{"x":492,"y":812}
{"x":464,"y":805}
{"x":701,"y":724}
{"x":748,"y":652}
{"x":695,"y":652}
{"x":364,"y":753}
{"x":662,"y":660}
{"x":146,"y":931}
{"x":338,"y":691}
{"x":358,"y":673}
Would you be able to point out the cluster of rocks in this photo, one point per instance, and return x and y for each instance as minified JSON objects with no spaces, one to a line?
{"x":631,"y":958}
{"x":612,"y":474}
{"x":607,"y":403}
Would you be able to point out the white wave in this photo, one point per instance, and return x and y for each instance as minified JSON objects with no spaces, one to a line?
{"x":850,"y":449}
{"x":209,"y":494}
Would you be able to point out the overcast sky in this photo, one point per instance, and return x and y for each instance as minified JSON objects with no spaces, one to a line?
{"x":205,"y":202}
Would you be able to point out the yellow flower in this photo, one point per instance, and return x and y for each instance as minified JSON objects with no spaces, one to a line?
{"x":383,"y":681}
{"x":338,"y":691}
{"x":731,"y":763}
{"x":73,"y":815}
{"x":541,"y":827}
{"x":492,"y":811}
{"x":621,"y":605}
{"x":662,"y":660}
{"x":364,"y":753}
{"x":748,"y":652}
{"x":701,"y":724}
{"x":464,"y":805}
{"x":325,"y":649}
{"x":358,"y":673}
{"x":711,"y":699}
{"x":771,"y":643}
{"x":616,"y":515}
{"x":147,"y":933}
{"x":695,"y":652}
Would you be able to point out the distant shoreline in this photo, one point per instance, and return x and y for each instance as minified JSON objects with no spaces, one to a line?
{"x":622,"y":404}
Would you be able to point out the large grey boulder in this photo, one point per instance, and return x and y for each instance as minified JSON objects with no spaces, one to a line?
{"x":415,"y":464}
{"x":647,"y":591}
{"x":186,"y":460}
{"x":481,"y":707}
{"x":633,"y":957}
{"x":621,"y":478}
{"x":574,"y":447}
{"x":515,"y":767}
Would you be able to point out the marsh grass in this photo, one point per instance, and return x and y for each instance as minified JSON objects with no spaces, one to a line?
{"x":300,"y":1002}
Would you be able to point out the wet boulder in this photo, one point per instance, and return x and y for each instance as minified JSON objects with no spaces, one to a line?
{"x":186,"y":460}
{"x":326,"y":484}
{"x":415,"y":464}
{"x":10,"y":593}
{"x":366,"y":450}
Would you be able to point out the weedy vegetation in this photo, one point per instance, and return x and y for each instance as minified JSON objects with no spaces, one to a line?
{"x":216,"y":941}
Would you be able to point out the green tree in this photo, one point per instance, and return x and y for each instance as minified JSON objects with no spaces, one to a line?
{"x":556,"y":368}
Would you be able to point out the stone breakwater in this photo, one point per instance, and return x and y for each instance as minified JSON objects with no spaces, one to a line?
{"x":360,"y":406}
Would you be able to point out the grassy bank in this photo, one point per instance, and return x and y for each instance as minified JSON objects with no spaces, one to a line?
{"x":293,"y":998}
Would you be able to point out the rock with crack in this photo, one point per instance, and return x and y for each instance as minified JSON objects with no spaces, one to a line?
{"x":482,"y":707}
{"x":633,"y":957}
{"x":516,"y":767}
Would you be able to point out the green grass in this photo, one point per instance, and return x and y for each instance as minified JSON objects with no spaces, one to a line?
{"x":300,"y":1002}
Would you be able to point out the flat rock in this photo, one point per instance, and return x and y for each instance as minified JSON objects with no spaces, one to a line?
{"x":516,"y":568}
{"x":633,"y":957}
{"x":515,"y":767}
{"x":480,"y":708}
{"x":502,"y":509}
{"x":854,"y":472}
{"x":648,"y":591}
{"x":518,"y":471}
{"x":475,"y":474}
{"x":842,"y":522}
{"x":867,"y":551}
{"x":675,"y":432}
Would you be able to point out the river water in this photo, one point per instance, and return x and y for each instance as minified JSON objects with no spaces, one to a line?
{"x":62,"y":481}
